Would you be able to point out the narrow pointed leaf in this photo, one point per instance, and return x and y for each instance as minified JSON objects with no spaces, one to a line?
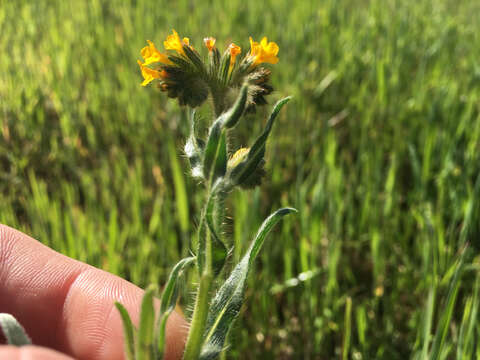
{"x":181,"y":198}
{"x":228,"y":301}
{"x":221,"y":158}
{"x":219,"y":250}
{"x":444,"y":324}
{"x":169,"y":301}
{"x":243,"y":170}
{"x":262,"y":139}
{"x":128,"y":331}
{"x":231,"y":117}
{"x":144,"y":345}
{"x":207,"y":228}
{"x":169,"y":295}
{"x":14,"y":332}
{"x":211,"y":147}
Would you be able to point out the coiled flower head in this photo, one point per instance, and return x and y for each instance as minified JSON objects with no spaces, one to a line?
{"x":183,"y":74}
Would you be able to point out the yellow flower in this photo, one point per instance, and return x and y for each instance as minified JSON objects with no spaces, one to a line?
{"x":149,"y":74}
{"x":173,"y":42}
{"x":150,"y":54}
{"x":263,"y":52}
{"x":234,"y":51}
{"x":209,"y":43}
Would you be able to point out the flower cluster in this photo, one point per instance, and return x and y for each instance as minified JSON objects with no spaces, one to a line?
{"x":184,"y":75}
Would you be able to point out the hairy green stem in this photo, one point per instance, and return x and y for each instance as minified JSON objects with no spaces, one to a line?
{"x":219,"y":212}
{"x":195,"y":335}
{"x":218,"y":99}
{"x":200,"y":312}
{"x":202,"y":302}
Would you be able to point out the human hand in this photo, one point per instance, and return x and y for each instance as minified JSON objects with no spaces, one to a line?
{"x":67,"y":305}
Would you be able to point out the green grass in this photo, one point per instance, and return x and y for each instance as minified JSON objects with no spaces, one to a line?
{"x":379,"y":151}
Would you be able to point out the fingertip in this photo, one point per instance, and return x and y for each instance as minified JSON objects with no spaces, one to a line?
{"x":30,"y":353}
{"x":68,"y":305}
{"x":34,"y":281}
{"x":177,"y":332}
{"x":93,"y":326}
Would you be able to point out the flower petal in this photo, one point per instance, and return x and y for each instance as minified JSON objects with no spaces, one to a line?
{"x":209,"y":42}
{"x":263,"y":52}
{"x":234,"y":51}
{"x":173,"y":42}
{"x":149,"y":74}
{"x":150,"y":54}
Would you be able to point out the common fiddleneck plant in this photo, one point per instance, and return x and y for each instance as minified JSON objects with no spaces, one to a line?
{"x":235,"y":87}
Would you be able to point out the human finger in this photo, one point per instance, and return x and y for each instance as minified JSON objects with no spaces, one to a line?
{"x":68,"y":305}
{"x":30,"y":353}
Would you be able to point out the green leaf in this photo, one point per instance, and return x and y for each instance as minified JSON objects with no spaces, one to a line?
{"x":447,"y":312}
{"x":242,"y":171}
{"x":212,"y":147}
{"x":228,"y":301}
{"x":472,"y":212}
{"x":467,"y":334}
{"x":169,"y":295}
{"x":347,"y":328}
{"x":231,"y":117}
{"x":14,"y":332}
{"x":219,"y":250}
{"x":427,"y":322}
{"x":207,"y":228}
{"x":144,"y":345}
{"x":180,"y":189}
{"x":215,"y":153}
{"x":169,"y":301}
{"x":221,"y":158}
{"x":128,"y":331}
{"x":262,"y":139}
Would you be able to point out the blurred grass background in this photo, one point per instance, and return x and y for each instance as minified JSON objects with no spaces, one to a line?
{"x":379,"y":151}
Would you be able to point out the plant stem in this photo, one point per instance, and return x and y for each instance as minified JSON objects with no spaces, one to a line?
{"x":218,"y":100}
{"x":200,"y":312}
